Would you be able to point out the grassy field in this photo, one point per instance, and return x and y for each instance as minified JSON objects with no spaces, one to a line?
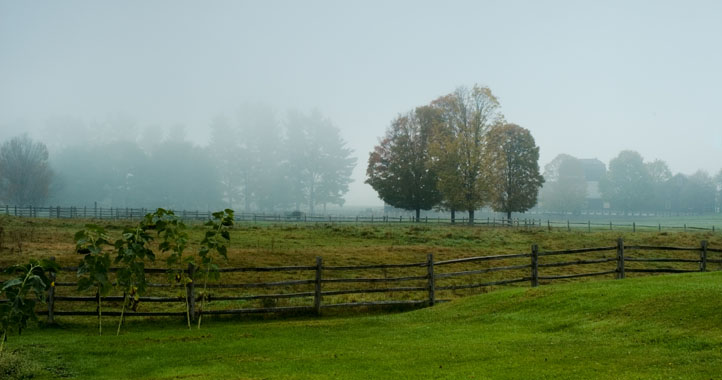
{"x":339,"y":244}
{"x":646,"y":328}
{"x":350,"y":244}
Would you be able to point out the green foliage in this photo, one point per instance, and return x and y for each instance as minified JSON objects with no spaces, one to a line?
{"x":457,"y":148}
{"x":94,"y":267}
{"x":216,"y":239}
{"x":398,"y":168}
{"x":27,"y":286}
{"x":512,"y":166}
{"x":174,"y":239}
{"x":132,"y":249}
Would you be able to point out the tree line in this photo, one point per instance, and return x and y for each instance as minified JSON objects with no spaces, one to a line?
{"x":629,"y":184}
{"x":255,"y":161}
{"x":457,"y":153}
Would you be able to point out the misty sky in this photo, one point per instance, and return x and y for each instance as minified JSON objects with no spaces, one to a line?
{"x":587,"y":78}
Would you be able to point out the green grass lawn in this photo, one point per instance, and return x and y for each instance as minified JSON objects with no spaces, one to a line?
{"x":663,"y":327}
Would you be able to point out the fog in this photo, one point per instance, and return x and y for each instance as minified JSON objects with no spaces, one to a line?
{"x":589,"y":79}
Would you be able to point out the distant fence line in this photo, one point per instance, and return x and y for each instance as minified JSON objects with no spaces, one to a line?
{"x":315,"y":290}
{"x":125,"y":213}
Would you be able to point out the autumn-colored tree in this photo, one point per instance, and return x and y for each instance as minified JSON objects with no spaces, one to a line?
{"x":457,"y":147}
{"x":512,"y":162}
{"x":397,"y":168}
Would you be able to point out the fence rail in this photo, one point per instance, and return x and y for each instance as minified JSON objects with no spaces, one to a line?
{"x":125,"y":213}
{"x":425,"y":285}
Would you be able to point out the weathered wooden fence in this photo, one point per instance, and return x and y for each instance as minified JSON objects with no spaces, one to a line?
{"x":313,"y":288}
{"x":125,"y":213}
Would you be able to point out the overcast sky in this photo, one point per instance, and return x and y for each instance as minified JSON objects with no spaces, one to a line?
{"x":587,"y":78}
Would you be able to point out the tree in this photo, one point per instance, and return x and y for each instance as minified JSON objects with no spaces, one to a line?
{"x":565,"y":187}
{"x":512,"y":162}
{"x":225,"y":150}
{"x":700,"y":192}
{"x":319,"y":163}
{"x":25,"y":173}
{"x":457,"y":147}
{"x":112,"y":174}
{"x":398,"y":167}
{"x":659,"y":174}
{"x":628,"y":185}
{"x":718,"y":184}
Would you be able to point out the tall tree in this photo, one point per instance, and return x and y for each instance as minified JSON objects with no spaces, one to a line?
{"x":628,"y":185}
{"x":700,"y":192}
{"x":512,"y":162}
{"x":320,"y":163}
{"x":659,"y":174}
{"x":25,"y":173}
{"x":226,"y":150}
{"x":718,"y":184}
{"x":565,"y":187}
{"x":457,"y":148}
{"x":398,"y":167}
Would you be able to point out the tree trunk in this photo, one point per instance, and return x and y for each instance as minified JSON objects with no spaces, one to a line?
{"x":453,"y":216}
{"x":418,"y":215}
{"x":471,"y":217}
{"x":311,"y":198}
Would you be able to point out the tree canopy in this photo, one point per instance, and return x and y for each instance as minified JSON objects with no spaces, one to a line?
{"x":565,"y":187}
{"x":512,"y":164}
{"x":457,"y":147}
{"x":25,"y":174}
{"x":398,"y":168}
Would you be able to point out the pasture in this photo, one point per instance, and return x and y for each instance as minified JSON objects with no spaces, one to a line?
{"x":599,"y":329}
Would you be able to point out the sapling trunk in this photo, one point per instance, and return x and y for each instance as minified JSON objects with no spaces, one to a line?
{"x":203,"y":297}
{"x":100,"y":313}
{"x":188,"y":311}
{"x":2,"y":342}
{"x":122,"y":312}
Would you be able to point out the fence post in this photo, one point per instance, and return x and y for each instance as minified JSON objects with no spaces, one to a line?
{"x":589,"y":226}
{"x":534,"y":265}
{"x":432,"y":283}
{"x":190,"y":292}
{"x":549,"y":225}
{"x":569,"y":228}
{"x":317,"y":292}
{"x":685,"y":227}
{"x":703,"y":256}
{"x":620,"y":258}
{"x":51,"y":296}
{"x":610,"y":225}
{"x":659,"y":227}
{"x":634,"y":227}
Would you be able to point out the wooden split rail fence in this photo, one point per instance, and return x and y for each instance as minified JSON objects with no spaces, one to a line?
{"x":420,"y":282}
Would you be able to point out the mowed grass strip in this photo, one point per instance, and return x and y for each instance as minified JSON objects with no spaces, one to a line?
{"x":659,"y":327}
